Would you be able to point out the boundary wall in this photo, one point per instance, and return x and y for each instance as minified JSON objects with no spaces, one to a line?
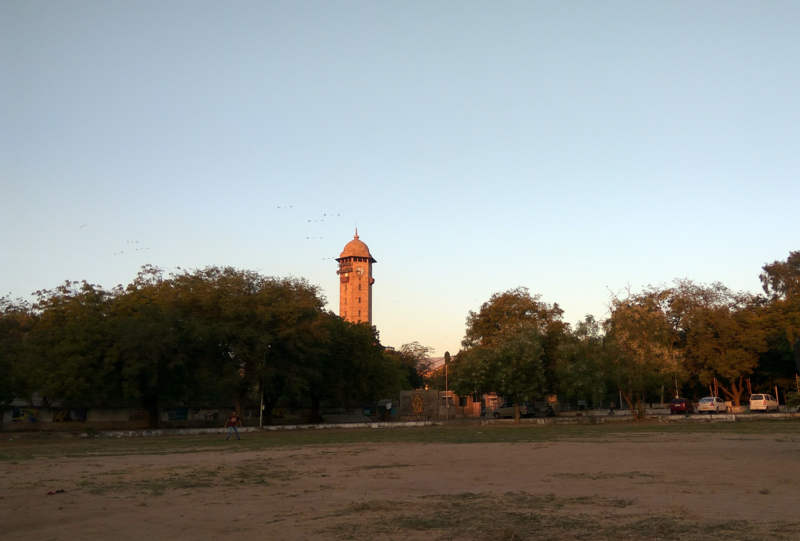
{"x":722,"y":418}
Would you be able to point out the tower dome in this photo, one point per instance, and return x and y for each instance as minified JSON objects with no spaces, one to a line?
{"x":356,"y":248}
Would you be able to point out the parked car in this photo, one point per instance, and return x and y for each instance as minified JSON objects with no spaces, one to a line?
{"x":681,"y":405}
{"x":712,"y":404}
{"x":763,"y":402}
{"x":507,"y":410}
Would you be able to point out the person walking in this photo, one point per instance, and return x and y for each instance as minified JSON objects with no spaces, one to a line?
{"x":611,"y":408}
{"x":231,"y":424}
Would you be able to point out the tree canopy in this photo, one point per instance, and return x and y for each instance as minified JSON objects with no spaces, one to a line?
{"x":212,"y":334}
{"x":686,"y":336}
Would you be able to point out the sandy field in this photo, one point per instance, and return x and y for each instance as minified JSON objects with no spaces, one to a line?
{"x":620,"y":486}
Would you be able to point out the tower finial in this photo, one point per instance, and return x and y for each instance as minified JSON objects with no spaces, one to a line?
{"x":356,"y":235}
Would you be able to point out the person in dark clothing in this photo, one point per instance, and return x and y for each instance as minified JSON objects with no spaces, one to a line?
{"x":232,"y":422}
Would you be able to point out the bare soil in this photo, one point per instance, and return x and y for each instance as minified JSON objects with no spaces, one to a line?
{"x":630,"y":486}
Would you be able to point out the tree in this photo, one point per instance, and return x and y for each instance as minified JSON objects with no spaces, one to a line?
{"x":415,"y":361}
{"x":264,"y":328}
{"x":724,"y":335}
{"x":508,"y":312}
{"x":16,"y":375}
{"x":71,"y":342}
{"x":639,"y":346}
{"x":581,"y":365}
{"x":781,"y":282}
{"x":348,"y":363}
{"x":518,"y":370}
{"x":511,"y":366}
{"x":215,"y":332}
{"x":781,"y":279}
{"x":158,"y":344}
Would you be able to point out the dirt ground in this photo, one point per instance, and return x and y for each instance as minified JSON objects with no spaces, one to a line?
{"x":629,"y":486}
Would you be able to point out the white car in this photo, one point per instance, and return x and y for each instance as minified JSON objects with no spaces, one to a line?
{"x":508,"y":410}
{"x":763,"y":402}
{"x":712,"y":404}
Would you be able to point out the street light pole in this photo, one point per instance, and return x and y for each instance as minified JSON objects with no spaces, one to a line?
{"x":446,"y":392}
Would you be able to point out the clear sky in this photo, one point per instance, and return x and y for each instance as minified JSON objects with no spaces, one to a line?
{"x":570,"y":147}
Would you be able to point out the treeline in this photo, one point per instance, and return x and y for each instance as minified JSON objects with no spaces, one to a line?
{"x":687,"y":338}
{"x":211,"y":335}
{"x":221,"y":334}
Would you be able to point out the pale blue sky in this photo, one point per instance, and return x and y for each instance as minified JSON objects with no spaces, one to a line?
{"x":570,"y":147}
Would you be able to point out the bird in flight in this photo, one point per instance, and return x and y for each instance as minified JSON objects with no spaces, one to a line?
{"x":84,"y":225}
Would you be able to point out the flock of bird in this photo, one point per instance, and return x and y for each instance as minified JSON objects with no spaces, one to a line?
{"x":325,"y":215}
{"x":135,"y":249}
{"x":285,"y":207}
{"x":322,"y":220}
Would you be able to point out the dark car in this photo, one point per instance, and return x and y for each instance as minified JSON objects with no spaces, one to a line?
{"x":681,"y":405}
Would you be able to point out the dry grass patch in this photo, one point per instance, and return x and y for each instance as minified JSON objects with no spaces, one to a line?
{"x":605,"y":475}
{"x":156,"y":481}
{"x":539,"y":517}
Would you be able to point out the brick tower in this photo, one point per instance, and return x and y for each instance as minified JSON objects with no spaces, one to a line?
{"x":355,"y":282}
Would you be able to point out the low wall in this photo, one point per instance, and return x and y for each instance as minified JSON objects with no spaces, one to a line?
{"x":31,"y":419}
{"x":45,"y":419}
{"x":76,"y":420}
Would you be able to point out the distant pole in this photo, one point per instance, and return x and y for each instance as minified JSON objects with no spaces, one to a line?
{"x":446,"y":403}
{"x":261,"y":411}
{"x":446,"y":388}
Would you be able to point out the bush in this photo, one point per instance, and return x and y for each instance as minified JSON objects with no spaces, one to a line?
{"x":793,"y":400}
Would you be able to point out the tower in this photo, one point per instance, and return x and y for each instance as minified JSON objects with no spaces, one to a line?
{"x":355,"y":282}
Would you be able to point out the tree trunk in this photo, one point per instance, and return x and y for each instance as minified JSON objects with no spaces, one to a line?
{"x":315,"y":415}
{"x":153,"y":415}
{"x":516,"y":413}
{"x":269,"y":404}
{"x":736,"y":391}
{"x":637,"y":407}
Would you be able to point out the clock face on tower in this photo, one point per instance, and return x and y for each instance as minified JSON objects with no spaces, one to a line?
{"x":360,"y":271}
